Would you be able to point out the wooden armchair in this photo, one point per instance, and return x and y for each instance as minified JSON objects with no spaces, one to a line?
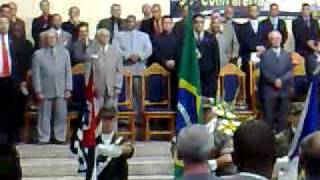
{"x":231,"y":84}
{"x":156,"y":105}
{"x":254,"y":78}
{"x":125,"y":106}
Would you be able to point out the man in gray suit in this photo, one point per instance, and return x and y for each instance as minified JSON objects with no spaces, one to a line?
{"x":52,"y":82}
{"x":64,"y":38}
{"x":229,"y":32}
{"x":275,"y":82}
{"x":106,"y":61}
{"x":114,"y":24}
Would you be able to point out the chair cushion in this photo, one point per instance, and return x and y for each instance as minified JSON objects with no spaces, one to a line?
{"x":156,"y":88}
{"x":231,"y":84}
{"x":157,"y":108}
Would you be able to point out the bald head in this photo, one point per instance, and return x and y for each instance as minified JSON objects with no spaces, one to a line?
{"x":103,"y":36}
{"x":275,"y":39}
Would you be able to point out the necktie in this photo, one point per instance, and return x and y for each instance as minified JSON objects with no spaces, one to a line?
{"x":274,"y":23}
{"x":115,"y":28}
{"x":307,"y":21}
{"x":199,"y":37}
{"x":5,"y":58}
{"x":52,"y":53}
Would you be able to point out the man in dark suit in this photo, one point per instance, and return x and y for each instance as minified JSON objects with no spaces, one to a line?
{"x":178,"y":28}
{"x":273,"y":22}
{"x":275,"y":82}
{"x":114,"y":24}
{"x":153,"y":26}
{"x":209,"y":57}
{"x":252,"y":141}
{"x":74,"y":20}
{"x":41,"y":23}
{"x":249,"y":36}
{"x":305,"y":28}
{"x":9,"y":81}
{"x":167,"y":48}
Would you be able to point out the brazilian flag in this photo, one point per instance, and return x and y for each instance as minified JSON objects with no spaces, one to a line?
{"x":189,"y":93}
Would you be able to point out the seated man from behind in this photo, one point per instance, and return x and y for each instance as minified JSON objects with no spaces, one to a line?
{"x":310,"y":156}
{"x":112,"y":151}
{"x":195,"y":154}
{"x":254,"y":151}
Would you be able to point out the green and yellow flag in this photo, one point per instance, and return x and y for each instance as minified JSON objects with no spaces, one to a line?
{"x":189,"y":93}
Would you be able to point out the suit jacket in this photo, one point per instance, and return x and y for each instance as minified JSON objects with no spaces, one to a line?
{"x":108,"y":23}
{"x":273,"y":67}
{"x":64,"y":38}
{"x":302,"y":33}
{"x":209,"y":54}
{"x":178,"y":28}
{"x":230,"y":36}
{"x":15,"y":66}
{"x":78,"y":52}
{"x":70,"y":28}
{"x":167,"y":47}
{"x":39,"y":25}
{"x":147,"y":26}
{"x":311,"y":64}
{"x":117,"y":168}
{"x":267,"y":27}
{"x":51,"y":72}
{"x":249,"y":40}
{"x":107,"y":68}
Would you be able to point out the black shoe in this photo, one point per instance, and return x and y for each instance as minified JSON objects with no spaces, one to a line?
{"x":59,"y":142}
{"x":43,"y":143}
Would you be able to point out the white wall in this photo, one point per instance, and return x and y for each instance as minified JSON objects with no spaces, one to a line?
{"x":91,"y":10}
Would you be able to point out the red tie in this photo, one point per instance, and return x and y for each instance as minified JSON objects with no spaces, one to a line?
{"x":5,"y":59}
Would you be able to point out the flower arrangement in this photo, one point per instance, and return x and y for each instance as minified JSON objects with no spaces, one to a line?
{"x":224,"y":120}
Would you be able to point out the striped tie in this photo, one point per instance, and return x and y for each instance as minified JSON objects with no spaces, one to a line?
{"x":5,"y":58}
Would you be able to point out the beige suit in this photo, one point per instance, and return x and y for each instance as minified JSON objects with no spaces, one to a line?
{"x":231,"y":39}
{"x":107,"y":66}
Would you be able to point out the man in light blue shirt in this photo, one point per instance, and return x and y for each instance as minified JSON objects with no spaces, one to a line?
{"x":135,"y":48}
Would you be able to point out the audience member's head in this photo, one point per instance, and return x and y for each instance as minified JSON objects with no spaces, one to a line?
{"x":56,"y":21}
{"x":305,"y":10}
{"x":193,"y":145}
{"x":146,"y":10}
{"x":167,"y":24}
{"x":107,"y":117}
{"x":5,"y":10}
{"x":253,"y":11}
{"x":198,"y":23}
{"x":310,"y":155}
{"x":185,"y":11}
{"x":74,"y":13}
{"x":4,"y":25}
{"x":275,"y":39}
{"x":131,"y":22}
{"x":228,"y":12}
{"x":254,"y":148}
{"x":156,"y":11}
{"x":50,"y":38}
{"x":116,"y":11}
{"x":215,"y":26}
{"x":13,"y":9}
{"x":215,"y":15}
{"x":83,"y":31}
{"x":103,"y":36}
{"x":45,"y":7}
{"x":9,"y":160}
{"x":274,"y":10}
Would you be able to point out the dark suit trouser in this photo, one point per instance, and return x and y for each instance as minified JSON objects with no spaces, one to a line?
{"x":7,"y":115}
{"x":276,"y":111}
{"x":208,"y":81}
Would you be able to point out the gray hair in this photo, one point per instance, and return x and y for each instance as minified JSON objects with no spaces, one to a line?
{"x":102,"y":31}
{"x":193,"y":143}
{"x":48,"y":33}
{"x":274,"y":33}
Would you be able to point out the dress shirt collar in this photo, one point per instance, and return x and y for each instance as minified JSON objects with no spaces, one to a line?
{"x":256,"y":176}
{"x":107,"y":138}
{"x":197,"y":34}
{"x":104,"y":48}
{"x":277,"y":50}
{"x":254,"y":24}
